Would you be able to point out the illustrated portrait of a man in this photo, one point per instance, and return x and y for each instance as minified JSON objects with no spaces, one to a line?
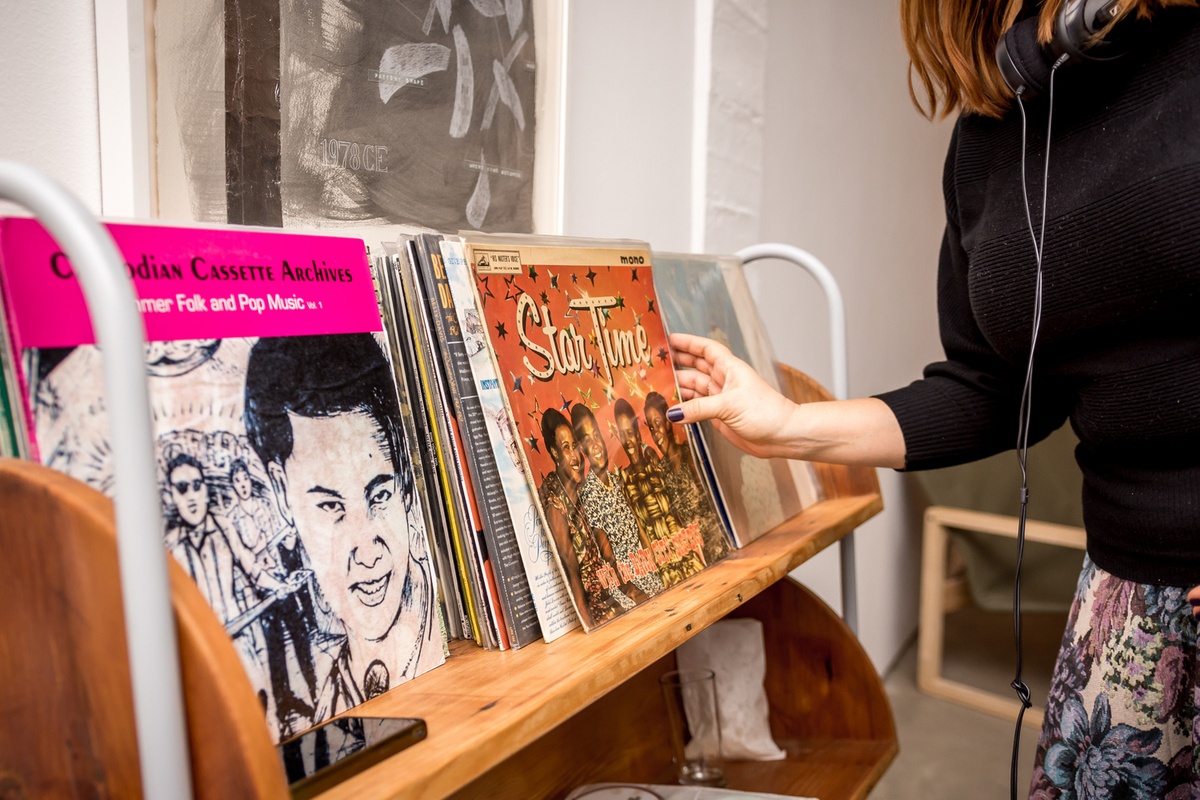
{"x":324,"y":419}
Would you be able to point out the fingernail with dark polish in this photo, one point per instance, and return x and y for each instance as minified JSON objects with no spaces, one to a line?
{"x":675,"y":414}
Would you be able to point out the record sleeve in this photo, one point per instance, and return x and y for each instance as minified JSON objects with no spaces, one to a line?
{"x":582,"y":358}
{"x":286,"y":485}
{"x":508,"y":591}
{"x":446,"y":451}
{"x":392,"y":312}
{"x":545,"y":586}
{"x":759,"y":493}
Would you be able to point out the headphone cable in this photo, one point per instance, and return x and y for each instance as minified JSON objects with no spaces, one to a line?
{"x":1025,"y":413}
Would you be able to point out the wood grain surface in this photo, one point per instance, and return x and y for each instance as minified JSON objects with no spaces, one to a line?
{"x":66,"y":705}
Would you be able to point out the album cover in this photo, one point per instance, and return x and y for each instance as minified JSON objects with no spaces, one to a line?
{"x":503,"y":555}
{"x":760,"y":493}
{"x":447,"y":453}
{"x":544,"y":583}
{"x":412,"y":409}
{"x":286,"y":483}
{"x":582,"y":357}
{"x":762,"y":358}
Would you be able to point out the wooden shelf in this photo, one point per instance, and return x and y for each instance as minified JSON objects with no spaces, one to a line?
{"x":518,"y":724}
{"x":483,"y":706}
{"x":827,"y":709}
{"x":817,"y":768}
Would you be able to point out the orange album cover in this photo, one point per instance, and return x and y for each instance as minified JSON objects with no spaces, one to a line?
{"x":581,"y":352}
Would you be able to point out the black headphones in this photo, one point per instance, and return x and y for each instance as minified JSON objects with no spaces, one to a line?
{"x":1026,"y":64}
{"x":1028,"y":69}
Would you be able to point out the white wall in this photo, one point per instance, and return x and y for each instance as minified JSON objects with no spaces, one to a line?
{"x":48,"y":107}
{"x":628,"y":110}
{"x":853,"y":175}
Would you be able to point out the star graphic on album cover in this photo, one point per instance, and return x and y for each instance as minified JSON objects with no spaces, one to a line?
{"x":633,"y":273}
{"x":650,"y":304}
{"x":587,"y":398}
{"x":532,"y":272}
{"x":609,"y":394}
{"x":620,"y":301}
{"x":553,"y":279}
{"x":545,"y":299}
{"x":591,"y":275}
{"x":566,"y":404}
{"x":517,"y":387}
{"x":536,"y":412}
{"x":595,"y":369}
{"x":500,"y":330}
{"x":663,"y":356}
{"x":635,"y":387}
{"x":533,"y":444}
{"x":510,"y":284}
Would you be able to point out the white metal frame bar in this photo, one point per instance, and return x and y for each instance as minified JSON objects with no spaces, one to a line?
{"x":149,"y":620}
{"x":841,"y":382}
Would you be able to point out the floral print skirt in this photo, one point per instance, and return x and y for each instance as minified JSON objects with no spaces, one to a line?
{"x":1121,"y":714}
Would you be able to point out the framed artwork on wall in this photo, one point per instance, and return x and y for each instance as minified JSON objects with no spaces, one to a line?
{"x":349,"y":114}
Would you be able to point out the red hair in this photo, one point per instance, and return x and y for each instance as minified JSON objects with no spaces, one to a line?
{"x":952,"y":45}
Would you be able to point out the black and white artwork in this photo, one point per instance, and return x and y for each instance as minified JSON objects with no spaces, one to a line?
{"x":416,"y":111}
{"x":347,"y":113}
{"x":287,"y":495}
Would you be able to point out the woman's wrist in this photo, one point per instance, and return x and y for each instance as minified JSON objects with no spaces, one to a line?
{"x":856,"y":432}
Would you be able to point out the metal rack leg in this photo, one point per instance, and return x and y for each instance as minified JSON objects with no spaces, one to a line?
{"x":149,"y":620}
{"x":841,"y":388}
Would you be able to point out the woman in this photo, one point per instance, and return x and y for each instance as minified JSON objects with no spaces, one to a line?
{"x":689,"y":499}
{"x":583,"y":552}
{"x":1117,"y":354}
{"x":646,"y":492}
{"x":602,"y":497}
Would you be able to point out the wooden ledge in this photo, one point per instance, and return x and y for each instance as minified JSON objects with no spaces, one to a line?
{"x":483,"y":706}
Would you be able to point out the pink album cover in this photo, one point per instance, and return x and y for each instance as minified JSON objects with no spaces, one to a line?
{"x":287,"y":490}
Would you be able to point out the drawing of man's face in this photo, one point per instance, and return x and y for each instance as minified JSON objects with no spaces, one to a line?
{"x":592,"y":443}
{"x":565,"y":451}
{"x":659,"y":427}
{"x":341,"y":489}
{"x":190,"y":493}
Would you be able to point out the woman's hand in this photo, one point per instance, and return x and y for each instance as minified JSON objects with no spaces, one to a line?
{"x":718,"y":386}
{"x":1194,"y":598}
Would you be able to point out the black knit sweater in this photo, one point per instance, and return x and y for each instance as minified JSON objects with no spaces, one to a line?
{"x":1119,"y":349}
